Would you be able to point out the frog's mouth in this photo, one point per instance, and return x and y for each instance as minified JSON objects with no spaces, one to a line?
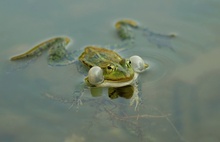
{"x":123,"y":74}
{"x":114,"y":83}
{"x":122,"y":77}
{"x":127,"y":77}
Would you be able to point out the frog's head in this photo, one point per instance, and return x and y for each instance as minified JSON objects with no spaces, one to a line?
{"x":119,"y":72}
{"x":116,"y":72}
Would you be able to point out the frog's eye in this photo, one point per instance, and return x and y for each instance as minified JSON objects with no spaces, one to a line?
{"x":110,"y":68}
{"x":95,"y":75}
{"x":138,"y":64}
{"x":128,"y":63}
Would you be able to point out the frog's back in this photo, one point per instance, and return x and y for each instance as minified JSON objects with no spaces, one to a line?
{"x":97,"y":56}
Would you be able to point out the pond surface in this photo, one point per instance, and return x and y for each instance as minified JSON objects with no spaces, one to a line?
{"x":180,"y":91}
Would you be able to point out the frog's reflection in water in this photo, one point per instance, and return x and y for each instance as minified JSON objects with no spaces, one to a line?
{"x":115,"y":92}
{"x":130,"y":92}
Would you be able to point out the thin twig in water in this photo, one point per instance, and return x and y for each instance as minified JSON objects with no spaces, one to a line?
{"x":111,"y":113}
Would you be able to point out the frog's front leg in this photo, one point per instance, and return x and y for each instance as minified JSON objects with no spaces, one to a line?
{"x":78,"y":93}
{"x":136,"y":99}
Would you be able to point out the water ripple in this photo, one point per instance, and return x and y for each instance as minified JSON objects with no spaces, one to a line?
{"x":160,"y":66}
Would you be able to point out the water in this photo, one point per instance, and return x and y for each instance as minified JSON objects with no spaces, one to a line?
{"x":181,"y":86}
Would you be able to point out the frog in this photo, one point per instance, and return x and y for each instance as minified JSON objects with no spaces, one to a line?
{"x":109,"y":69}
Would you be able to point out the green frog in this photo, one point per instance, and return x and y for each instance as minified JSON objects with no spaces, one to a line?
{"x":109,"y":69}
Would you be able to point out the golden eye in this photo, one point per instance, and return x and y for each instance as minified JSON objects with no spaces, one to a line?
{"x":110,"y":68}
{"x":128,"y":63}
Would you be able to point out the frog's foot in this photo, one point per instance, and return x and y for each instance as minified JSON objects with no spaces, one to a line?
{"x":135,"y":99}
{"x":58,"y":55}
{"x":124,"y":28}
{"x":77,"y":100}
{"x":123,"y":22}
{"x":77,"y":95}
{"x":53,"y":44}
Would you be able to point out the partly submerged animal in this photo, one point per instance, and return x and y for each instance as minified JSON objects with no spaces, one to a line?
{"x":109,"y":69}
